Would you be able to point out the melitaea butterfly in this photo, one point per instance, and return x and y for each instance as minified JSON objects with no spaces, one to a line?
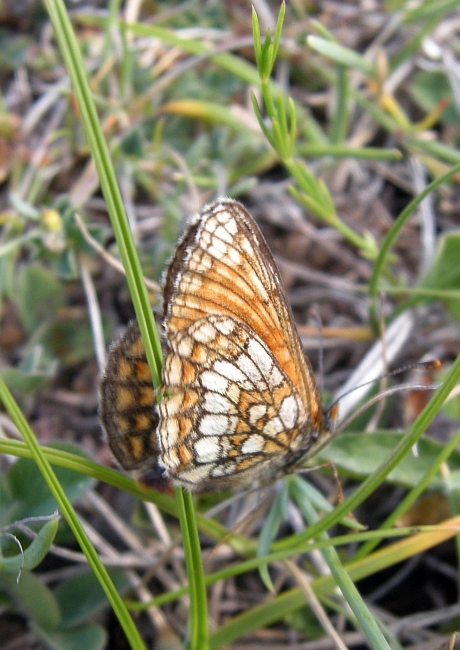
{"x":240,"y":402}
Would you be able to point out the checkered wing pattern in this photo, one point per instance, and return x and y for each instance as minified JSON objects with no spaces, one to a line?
{"x":127,"y":402}
{"x":240,"y":402}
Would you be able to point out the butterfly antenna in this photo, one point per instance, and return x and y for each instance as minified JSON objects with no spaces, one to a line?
{"x":314,"y":315}
{"x":424,"y":365}
{"x":382,"y":395}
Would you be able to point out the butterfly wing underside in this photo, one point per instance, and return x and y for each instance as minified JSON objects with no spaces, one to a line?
{"x":241,"y":402}
{"x":127,"y":402}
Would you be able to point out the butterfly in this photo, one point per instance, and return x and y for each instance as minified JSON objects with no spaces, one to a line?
{"x":240,"y":404}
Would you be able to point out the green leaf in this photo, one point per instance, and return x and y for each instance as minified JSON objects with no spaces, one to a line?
{"x":367,"y":622}
{"x":444,"y":273}
{"x":132,"y":144}
{"x":40,"y":296}
{"x":361,"y":453}
{"x":65,"y":265}
{"x":269,"y":531}
{"x":34,"y":553}
{"x":70,"y":340}
{"x":453,"y":482}
{"x":23,"y":208}
{"x":301,"y":490}
{"x":26,"y":493}
{"x":340,"y":54}
{"x":34,"y":371}
{"x":32,"y":598}
{"x":89,"y":637}
{"x":23,"y":382}
{"x":428,"y":89}
{"x":81,"y":596}
{"x":14,"y":47}
{"x":452,"y":407}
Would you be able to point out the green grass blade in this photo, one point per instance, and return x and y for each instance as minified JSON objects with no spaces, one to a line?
{"x":365,"y":619}
{"x":99,"y":150}
{"x":413,"y":495}
{"x":372,"y":482}
{"x":69,"y":513}
{"x":392,"y":235}
{"x":198,"y":615}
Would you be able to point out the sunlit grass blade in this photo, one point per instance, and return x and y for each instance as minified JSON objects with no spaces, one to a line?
{"x":292,"y":600}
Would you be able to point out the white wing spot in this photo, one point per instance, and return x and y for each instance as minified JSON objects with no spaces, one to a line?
{"x":225,"y":326}
{"x":217,"y":403}
{"x":216,"y":251}
{"x":259,"y":287}
{"x":204,"y":239}
{"x":256,"y":412}
{"x":214,"y":425}
{"x":233,"y":393}
{"x":222,"y":233}
{"x":207,"y":449}
{"x":185,"y":346}
{"x":231,"y":226}
{"x":214,"y":381}
{"x":204,"y":333}
{"x":276,"y":378}
{"x":222,"y":470}
{"x":219,"y":245}
{"x":169,"y":459}
{"x":229,"y":370}
{"x":205,"y":262}
{"x":234,"y":256}
{"x":250,"y":369}
{"x":171,"y":427}
{"x":260,"y":356}
{"x":246,"y":247}
{"x":211,"y":224}
{"x":273,"y":427}
{"x":253,"y":444}
{"x":171,"y":405}
{"x":195,"y":475}
{"x":289,"y":411}
{"x":173,"y":374}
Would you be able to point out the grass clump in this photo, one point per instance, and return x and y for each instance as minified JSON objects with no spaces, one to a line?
{"x":337,"y":130}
